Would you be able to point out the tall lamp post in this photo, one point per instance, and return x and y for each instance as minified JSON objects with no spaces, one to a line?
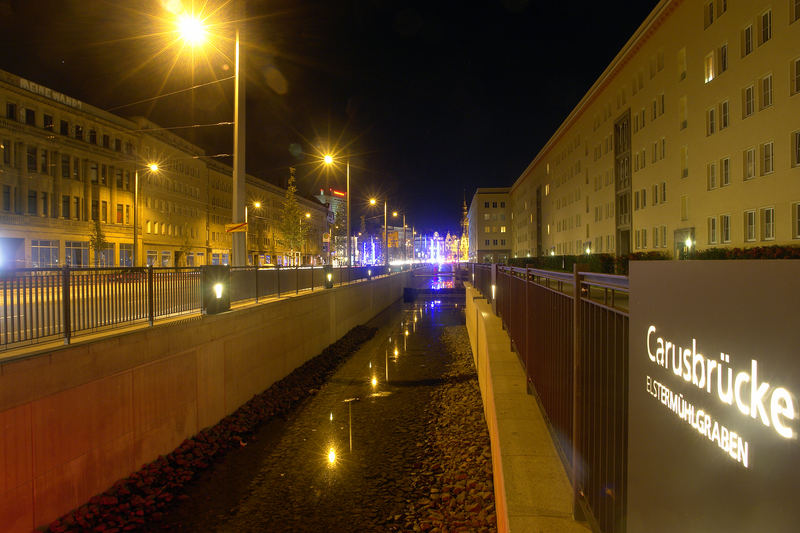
{"x":152,"y":167}
{"x":194,"y":32}
{"x":373,"y":201}
{"x":328,"y":159}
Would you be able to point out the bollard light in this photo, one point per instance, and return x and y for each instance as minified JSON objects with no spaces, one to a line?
{"x":216,"y":296}
{"x":329,"y":276}
{"x":218,"y":290}
{"x":494,"y":288}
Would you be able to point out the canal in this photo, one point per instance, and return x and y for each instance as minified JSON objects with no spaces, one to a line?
{"x":394,"y":441}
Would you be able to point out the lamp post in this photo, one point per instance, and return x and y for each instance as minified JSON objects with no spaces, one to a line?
{"x":153,"y":167}
{"x":373,"y":201}
{"x":328,"y":159}
{"x":193,"y":31}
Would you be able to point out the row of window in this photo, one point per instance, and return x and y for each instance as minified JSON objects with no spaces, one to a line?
{"x":659,"y":237}
{"x":28,"y":116}
{"x":494,"y":242}
{"x":494,"y":205}
{"x":659,"y":196}
{"x":757,"y":225}
{"x":494,"y":229}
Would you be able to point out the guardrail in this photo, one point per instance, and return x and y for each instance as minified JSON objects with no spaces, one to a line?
{"x":44,"y":304}
{"x":570,"y":331}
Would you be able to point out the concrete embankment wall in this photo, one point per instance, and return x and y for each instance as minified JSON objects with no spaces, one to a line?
{"x":532,"y":491}
{"x":76,"y":419}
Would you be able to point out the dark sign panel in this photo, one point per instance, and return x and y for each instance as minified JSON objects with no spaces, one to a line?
{"x":713,"y":387}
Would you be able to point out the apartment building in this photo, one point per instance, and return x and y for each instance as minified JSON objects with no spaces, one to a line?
{"x":689,"y":138}
{"x":490,"y":225}
{"x":65,"y":164}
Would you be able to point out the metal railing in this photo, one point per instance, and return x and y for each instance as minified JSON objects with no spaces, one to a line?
{"x":570,"y":331}
{"x":44,"y":304}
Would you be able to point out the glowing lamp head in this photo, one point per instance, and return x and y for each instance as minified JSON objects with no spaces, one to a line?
{"x":329,"y":276}
{"x":369,"y":272}
{"x":374,"y":381}
{"x":588,"y":250}
{"x":406,"y":333}
{"x":396,"y":353}
{"x":373,"y":201}
{"x":192,"y":30}
{"x":153,"y":167}
{"x":331,"y":455}
{"x":328,"y":159}
{"x":394,"y":213}
{"x":308,"y":215}
{"x":257,"y":205}
{"x":218,"y":290}
{"x":688,"y":242}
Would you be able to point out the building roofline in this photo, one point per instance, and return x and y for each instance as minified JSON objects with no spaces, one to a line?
{"x":656,"y":17}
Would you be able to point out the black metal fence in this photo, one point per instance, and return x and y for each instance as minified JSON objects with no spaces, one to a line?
{"x":41,"y":304}
{"x":571,"y":334}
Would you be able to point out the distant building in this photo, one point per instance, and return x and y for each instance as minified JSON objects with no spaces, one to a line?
{"x":65,"y":164}
{"x":489,"y":225}
{"x":689,"y":138}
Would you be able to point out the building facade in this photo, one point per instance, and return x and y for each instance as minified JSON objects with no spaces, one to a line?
{"x":68,"y":168}
{"x":489,"y":225}
{"x":689,"y":138}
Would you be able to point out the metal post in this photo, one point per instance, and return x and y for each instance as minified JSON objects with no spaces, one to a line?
{"x":65,"y":305}
{"x":256,"y":283}
{"x":576,"y":389}
{"x":349,"y":253}
{"x":385,"y":238}
{"x":278,"y":277}
{"x":296,"y":279}
{"x":239,"y":240}
{"x":135,"y":218}
{"x":150,"y":305}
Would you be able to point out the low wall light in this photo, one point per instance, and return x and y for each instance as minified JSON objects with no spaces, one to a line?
{"x":218,"y":290}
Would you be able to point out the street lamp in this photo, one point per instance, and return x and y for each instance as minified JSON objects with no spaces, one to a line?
{"x":194,"y":31}
{"x":153,"y":168}
{"x":373,"y":201}
{"x":328,"y":159}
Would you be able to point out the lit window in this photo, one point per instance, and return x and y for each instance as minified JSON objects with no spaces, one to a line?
{"x":502,"y":229}
{"x":708,"y":69}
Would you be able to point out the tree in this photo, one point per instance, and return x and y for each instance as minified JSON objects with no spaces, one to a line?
{"x":98,"y":243}
{"x":293,"y":227}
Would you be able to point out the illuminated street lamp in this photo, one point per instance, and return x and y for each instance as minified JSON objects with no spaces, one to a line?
{"x":153,"y":168}
{"x":328,"y":159}
{"x":194,"y":32}
{"x":374,"y":201}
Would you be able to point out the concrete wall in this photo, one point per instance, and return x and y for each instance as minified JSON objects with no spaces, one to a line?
{"x":531,"y":488}
{"x":76,"y":419}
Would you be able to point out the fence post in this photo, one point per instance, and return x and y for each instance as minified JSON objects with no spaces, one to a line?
{"x":296,"y":278}
{"x":278,"y":277}
{"x":577,"y":395}
{"x":150,"y":303}
{"x":65,"y":305}
{"x":312,"y":277}
{"x":256,"y":283}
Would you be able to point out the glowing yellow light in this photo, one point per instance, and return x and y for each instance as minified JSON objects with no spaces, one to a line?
{"x":328,"y":159}
{"x":153,"y":167}
{"x":688,"y":242}
{"x":331,"y":417}
{"x":588,"y":250}
{"x":394,"y":213}
{"x":370,"y":364}
{"x":396,"y":352}
{"x":308,"y":215}
{"x":257,"y":205}
{"x":331,"y":456}
{"x":374,"y":381}
{"x":329,"y":276}
{"x":406,"y":333}
{"x":372,"y":201}
{"x":192,"y":30}
{"x":218,"y":290}
{"x":415,"y":319}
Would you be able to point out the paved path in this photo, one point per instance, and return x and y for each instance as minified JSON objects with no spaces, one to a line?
{"x":420,"y":457}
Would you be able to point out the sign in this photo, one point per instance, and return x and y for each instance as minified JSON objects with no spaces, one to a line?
{"x":41,"y":90}
{"x":340,"y":194}
{"x":326,"y":237}
{"x":237,"y":227}
{"x":713,"y":405}
{"x":393,"y":239}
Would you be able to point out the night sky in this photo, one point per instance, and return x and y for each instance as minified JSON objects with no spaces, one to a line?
{"x":431,"y":99}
